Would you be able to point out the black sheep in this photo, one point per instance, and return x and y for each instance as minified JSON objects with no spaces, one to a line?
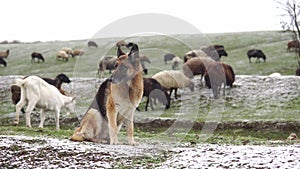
{"x":256,"y":53}
{"x":152,"y":89}
{"x":92,"y":44}
{"x":2,"y":62}
{"x":38,"y":56}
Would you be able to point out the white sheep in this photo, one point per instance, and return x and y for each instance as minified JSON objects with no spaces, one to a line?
{"x":175,"y":62}
{"x":62,"y":55}
{"x":194,"y":53}
{"x":172,"y":80}
{"x":4,"y":54}
{"x":69,"y":51}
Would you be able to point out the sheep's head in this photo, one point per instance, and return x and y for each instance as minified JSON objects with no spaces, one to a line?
{"x":70,"y":106}
{"x":63,"y":78}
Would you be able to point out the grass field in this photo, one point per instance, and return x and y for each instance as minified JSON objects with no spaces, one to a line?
{"x":236,"y":44}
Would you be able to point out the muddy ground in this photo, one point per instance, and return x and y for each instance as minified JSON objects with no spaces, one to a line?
{"x":248,"y":92}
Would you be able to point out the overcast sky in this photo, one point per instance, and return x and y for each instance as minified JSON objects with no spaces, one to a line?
{"x":44,"y":20}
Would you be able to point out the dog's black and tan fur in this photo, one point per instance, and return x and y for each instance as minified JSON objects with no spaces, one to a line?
{"x":116,"y":101}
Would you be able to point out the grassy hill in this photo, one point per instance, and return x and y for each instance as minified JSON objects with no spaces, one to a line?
{"x":236,"y":44}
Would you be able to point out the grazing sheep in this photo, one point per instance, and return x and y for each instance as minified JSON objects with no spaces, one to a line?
{"x":194,"y":53}
{"x":215,"y":51}
{"x":229,"y":74}
{"x":121,"y":43}
{"x":215,"y":76}
{"x":37,"y":93}
{"x":3,"y":62}
{"x":4,"y":54}
{"x":293,"y":44}
{"x":168,"y":56}
{"x":107,"y":63}
{"x":92,"y":44}
{"x":256,"y":53}
{"x":69,"y":51}
{"x":38,"y":56}
{"x":152,"y":89}
{"x":196,"y":66}
{"x":77,"y":53}
{"x":62,"y":55}
{"x":298,"y":71}
{"x":175,"y":62}
{"x":172,"y":80}
{"x":57,"y":82}
{"x":144,"y":59}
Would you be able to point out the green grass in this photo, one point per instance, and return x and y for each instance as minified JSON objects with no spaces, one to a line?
{"x":236,"y":44}
{"x":161,"y":135}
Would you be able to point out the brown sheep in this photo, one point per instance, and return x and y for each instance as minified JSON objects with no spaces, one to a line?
{"x":107,"y":63}
{"x":77,"y":53}
{"x":4,"y":54}
{"x":293,"y":44}
{"x":215,"y":75}
{"x":229,"y":73}
{"x":196,"y":66}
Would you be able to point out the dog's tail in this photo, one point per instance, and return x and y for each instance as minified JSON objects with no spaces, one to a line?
{"x":77,"y":136}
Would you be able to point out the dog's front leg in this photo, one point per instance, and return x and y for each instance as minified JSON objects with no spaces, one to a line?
{"x":112,"y":125}
{"x":130,"y":130}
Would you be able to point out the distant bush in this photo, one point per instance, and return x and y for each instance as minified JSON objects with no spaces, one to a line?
{"x":4,"y":42}
{"x":12,"y":42}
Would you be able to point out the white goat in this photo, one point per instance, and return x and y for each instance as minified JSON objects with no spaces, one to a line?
{"x":38,"y":93}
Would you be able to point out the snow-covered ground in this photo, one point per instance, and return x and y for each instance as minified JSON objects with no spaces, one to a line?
{"x":229,"y":156}
{"x":36,"y":152}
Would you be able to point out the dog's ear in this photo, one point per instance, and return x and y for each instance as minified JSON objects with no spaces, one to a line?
{"x":120,"y":52}
{"x":133,"y":56}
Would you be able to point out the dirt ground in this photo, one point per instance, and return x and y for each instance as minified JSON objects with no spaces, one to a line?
{"x":33,"y":152}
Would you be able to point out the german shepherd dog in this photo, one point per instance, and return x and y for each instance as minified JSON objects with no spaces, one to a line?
{"x":116,"y":101}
